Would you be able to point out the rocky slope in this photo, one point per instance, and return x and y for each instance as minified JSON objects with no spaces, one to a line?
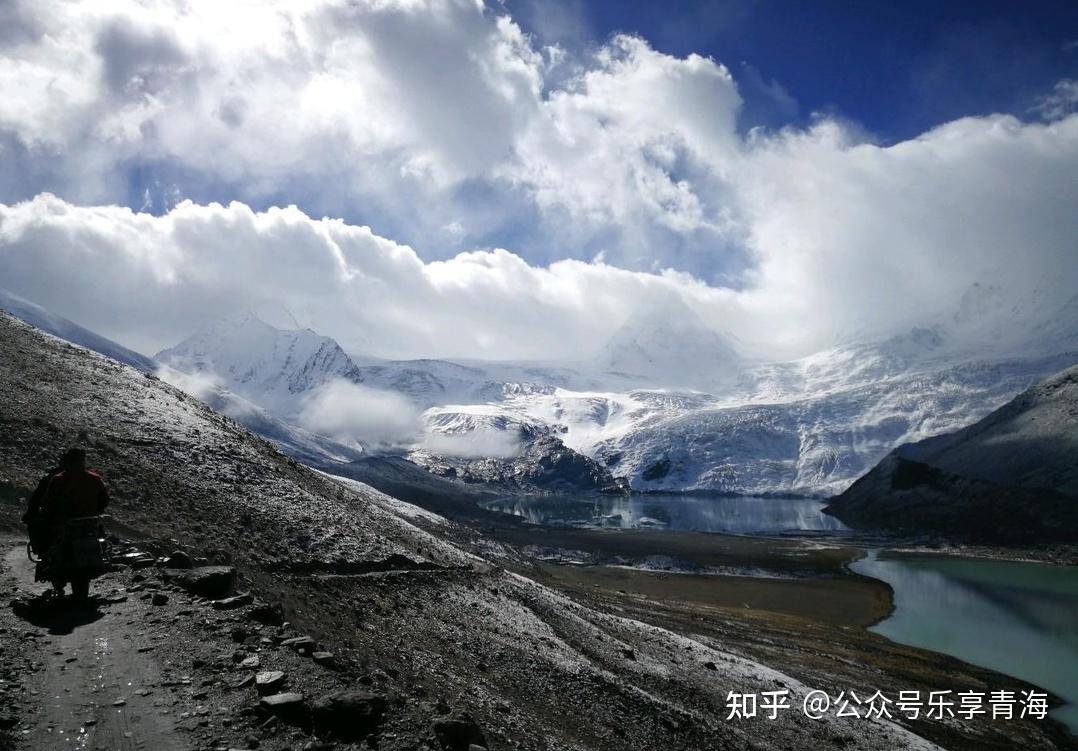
{"x":1011,"y":476}
{"x":72,"y":332}
{"x":428,"y":628}
{"x":544,"y":465}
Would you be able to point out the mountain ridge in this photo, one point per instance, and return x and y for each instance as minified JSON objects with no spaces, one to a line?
{"x":1013,"y":475}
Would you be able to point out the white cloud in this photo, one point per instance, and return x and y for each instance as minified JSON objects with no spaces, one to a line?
{"x":150,"y":281}
{"x":443,"y":122}
{"x":1060,"y":102}
{"x":497,"y":444}
{"x":350,"y":412}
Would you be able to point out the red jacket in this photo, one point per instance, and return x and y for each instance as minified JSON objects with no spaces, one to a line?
{"x":75,"y":494}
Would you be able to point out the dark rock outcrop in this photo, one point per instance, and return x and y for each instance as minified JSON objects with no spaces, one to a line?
{"x":348,"y":715}
{"x":1010,"y":478}
{"x":214,"y":582}
{"x":545,"y":465}
{"x":458,"y":732}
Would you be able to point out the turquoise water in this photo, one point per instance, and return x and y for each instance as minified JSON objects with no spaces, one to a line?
{"x":696,"y":513}
{"x":1020,"y":619}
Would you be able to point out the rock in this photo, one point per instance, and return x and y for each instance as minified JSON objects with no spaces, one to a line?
{"x":458,"y":732}
{"x":179,"y":559}
{"x":136,"y":559}
{"x":7,"y":722}
{"x":628,"y":654}
{"x":159,"y":598}
{"x":270,"y":615}
{"x":251,"y":662}
{"x":244,"y":682}
{"x":711,"y":666}
{"x":325,"y":659}
{"x":269,"y":681}
{"x":300,"y":643}
{"x":214,"y":582}
{"x":290,"y":707}
{"x":232,"y":603}
{"x":348,"y":715}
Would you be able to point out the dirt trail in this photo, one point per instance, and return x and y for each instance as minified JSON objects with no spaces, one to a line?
{"x":98,"y":683}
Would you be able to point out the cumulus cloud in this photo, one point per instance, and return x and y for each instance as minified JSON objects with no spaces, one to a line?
{"x":351,"y":413}
{"x":444,"y":126}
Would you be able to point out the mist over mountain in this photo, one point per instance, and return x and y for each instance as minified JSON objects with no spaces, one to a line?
{"x":668,"y":346}
{"x":275,"y":367}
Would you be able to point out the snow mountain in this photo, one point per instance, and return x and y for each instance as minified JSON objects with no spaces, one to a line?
{"x":274,"y":368}
{"x":810,"y":426}
{"x":669,"y":346}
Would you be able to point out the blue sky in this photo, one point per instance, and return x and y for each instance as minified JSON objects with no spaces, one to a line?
{"x":897,"y":68}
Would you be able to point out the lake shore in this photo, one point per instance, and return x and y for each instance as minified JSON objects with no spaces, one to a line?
{"x":797,"y":607}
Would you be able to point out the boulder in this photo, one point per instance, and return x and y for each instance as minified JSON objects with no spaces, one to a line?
{"x":290,"y":707}
{"x":262,"y":612}
{"x":213,"y":582}
{"x":179,"y":559}
{"x":270,"y":681}
{"x":302,"y":644}
{"x":325,"y":659}
{"x":458,"y":732}
{"x":348,"y":715}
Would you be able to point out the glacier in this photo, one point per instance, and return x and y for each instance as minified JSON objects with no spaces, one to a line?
{"x":809,"y":426}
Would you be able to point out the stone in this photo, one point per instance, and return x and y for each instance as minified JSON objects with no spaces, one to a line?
{"x":290,"y":707}
{"x":233,"y":603}
{"x":179,"y":559}
{"x":159,"y":598}
{"x":269,"y":681}
{"x":251,"y":662}
{"x":213,"y":582}
{"x":300,"y":643}
{"x":325,"y":659}
{"x":348,"y":715}
{"x":265,"y":613}
{"x":458,"y":732}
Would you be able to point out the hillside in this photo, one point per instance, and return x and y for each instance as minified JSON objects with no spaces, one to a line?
{"x":65,"y":329}
{"x":427,"y":626}
{"x":1011,"y":476}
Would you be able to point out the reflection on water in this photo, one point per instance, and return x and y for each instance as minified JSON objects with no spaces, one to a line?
{"x":1017,"y":618}
{"x":739,"y":515}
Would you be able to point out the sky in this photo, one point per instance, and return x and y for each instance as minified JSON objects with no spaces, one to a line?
{"x":514,"y":180}
{"x":896,"y":68}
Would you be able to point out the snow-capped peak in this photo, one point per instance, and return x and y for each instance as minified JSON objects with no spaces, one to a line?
{"x":268,"y":365}
{"x":670,"y":345}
